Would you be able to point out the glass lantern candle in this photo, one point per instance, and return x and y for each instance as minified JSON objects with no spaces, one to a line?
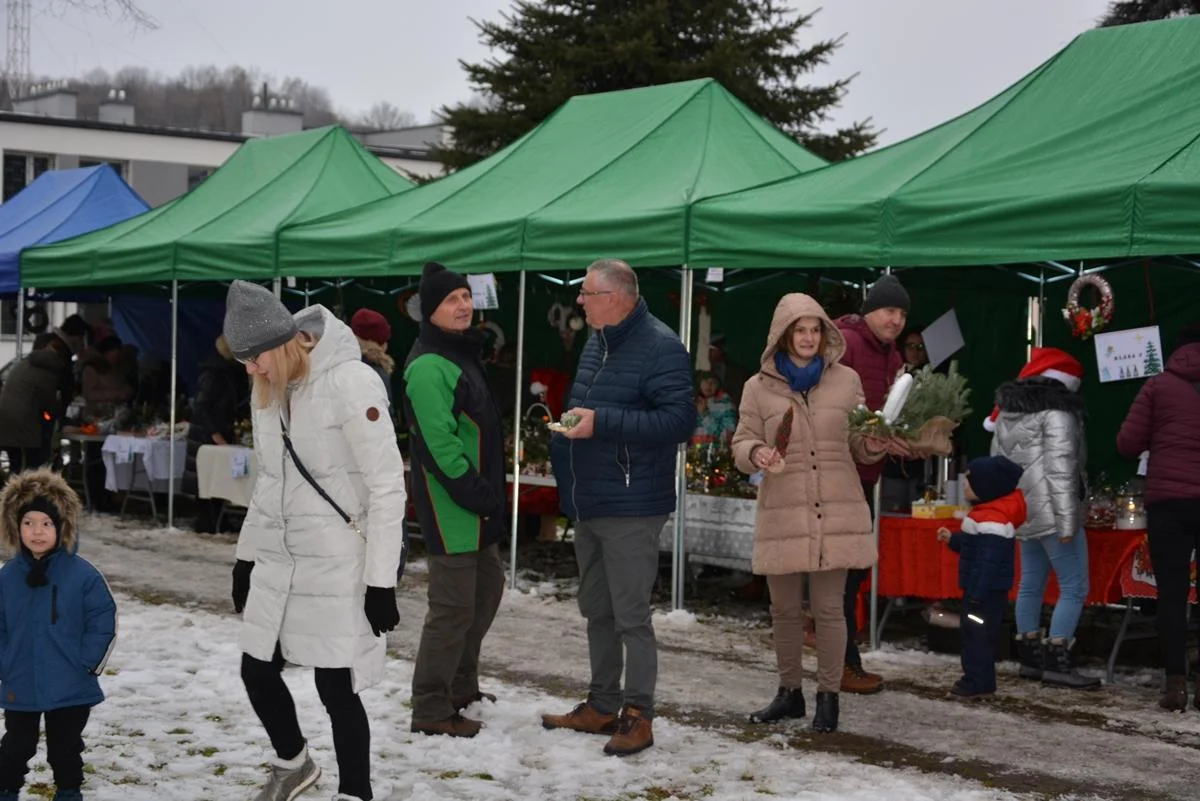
{"x":1131,"y":512}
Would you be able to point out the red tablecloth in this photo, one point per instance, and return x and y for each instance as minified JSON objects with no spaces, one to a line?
{"x":913,"y":564}
{"x":1138,"y":580}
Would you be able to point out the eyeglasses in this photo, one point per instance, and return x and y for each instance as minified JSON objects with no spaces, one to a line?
{"x":914,"y":346}
{"x":252,"y":360}
{"x":591,"y":293}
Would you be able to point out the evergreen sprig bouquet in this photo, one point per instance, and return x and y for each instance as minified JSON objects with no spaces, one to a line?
{"x":936,"y":404}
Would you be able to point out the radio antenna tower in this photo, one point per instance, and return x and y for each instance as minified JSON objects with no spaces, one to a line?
{"x":17,"y":69}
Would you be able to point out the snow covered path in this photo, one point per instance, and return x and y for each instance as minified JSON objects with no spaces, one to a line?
{"x":181,"y":676}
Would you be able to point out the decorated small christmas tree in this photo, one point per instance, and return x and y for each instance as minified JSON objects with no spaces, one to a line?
{"x":1152,"y":364}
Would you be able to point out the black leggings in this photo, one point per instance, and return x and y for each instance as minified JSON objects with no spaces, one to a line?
{"x":275,"y":708}
{"x":64,"y":746}
{"x":1174,"y":532}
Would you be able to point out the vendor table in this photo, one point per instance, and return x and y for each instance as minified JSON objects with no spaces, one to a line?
{"x":141,"y":466}
{"x":719,"y":530}
{"x":227,"y":472}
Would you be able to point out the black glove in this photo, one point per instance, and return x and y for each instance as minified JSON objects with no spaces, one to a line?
{"x":380,"y":606}
{"x":241,"y":583}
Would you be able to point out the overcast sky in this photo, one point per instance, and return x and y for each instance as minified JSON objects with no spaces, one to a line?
{"x":919,"y":62}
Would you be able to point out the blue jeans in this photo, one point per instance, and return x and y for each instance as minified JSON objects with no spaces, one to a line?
{"x":1069,"y":561}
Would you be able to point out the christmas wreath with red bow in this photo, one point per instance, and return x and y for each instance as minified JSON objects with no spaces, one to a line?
{"x":1085,"y":321}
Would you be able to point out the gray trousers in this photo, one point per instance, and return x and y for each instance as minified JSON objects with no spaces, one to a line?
{"x":464,"y":593}
{"x":618,"y":565}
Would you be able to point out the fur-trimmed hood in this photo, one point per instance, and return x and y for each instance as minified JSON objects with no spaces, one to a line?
{"x":22,"y":488}
{"x":377,"y":355}
{"x":1033,"y":395}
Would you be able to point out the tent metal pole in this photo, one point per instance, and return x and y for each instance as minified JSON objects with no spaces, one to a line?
{"x":678,"y":557}
{"x":277,"y":288}
{"x":20,"y":322}
{"x":1041,"y":306}
{"x":875,"y":568}
{"x":174,"y":405}
{"x":516,"y":491}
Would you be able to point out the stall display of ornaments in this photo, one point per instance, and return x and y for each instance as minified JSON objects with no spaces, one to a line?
{"x":711,"y":471}
{"x":1130,"y":510}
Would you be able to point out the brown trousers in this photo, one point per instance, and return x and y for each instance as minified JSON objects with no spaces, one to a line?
{"x":826,"y":589}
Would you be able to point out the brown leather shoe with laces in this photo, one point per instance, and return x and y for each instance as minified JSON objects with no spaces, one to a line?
{"x":857,"y":680}
{"x":454,"y":726}
{"x":585,"y":718}
{"x":634,"y":733}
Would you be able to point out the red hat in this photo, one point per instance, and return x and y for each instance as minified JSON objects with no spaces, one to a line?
{"x":1046,"y":363}
{"x":370,"y":325}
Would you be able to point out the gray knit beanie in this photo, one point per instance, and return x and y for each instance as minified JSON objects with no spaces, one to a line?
{"x":887,"y":293}
{"x":255,"y":320}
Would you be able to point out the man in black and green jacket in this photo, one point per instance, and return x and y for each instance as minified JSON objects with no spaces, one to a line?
{"x":458,"y":489}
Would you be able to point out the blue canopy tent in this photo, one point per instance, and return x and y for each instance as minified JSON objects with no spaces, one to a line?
{"x":58,"y":205}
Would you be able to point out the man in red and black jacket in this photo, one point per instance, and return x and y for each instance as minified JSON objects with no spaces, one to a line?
{"x":872,"y":353}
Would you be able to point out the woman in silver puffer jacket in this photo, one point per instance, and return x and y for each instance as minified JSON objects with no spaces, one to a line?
{"x":1041,"y":428}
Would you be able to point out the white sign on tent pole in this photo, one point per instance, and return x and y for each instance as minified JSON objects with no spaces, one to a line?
{"x":943,"y":338}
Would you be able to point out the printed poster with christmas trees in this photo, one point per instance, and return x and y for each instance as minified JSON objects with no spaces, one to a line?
{"x":1123,"y":355}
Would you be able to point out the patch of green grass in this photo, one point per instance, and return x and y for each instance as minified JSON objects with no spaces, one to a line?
{"x":220,"y":769}
{"x":487,"y":777}
{"x":180,"y":730}
{"x":450,"y":774}
{"x":207,"y":751}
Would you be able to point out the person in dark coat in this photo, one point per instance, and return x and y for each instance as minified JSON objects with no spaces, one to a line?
{"x":374,"y":332}
{"x":222,"y":397}
{"x":986,"y":556}
{"x":32,"y":399}
{"x":1162,"y":421}
{"x":458,"y":470}
{"x":616,"y":478}
{"x":872,"y":353}
{"x":58,"y":626}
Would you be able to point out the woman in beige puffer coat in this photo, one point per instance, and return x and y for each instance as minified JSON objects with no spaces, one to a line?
{"x":812,"y":516}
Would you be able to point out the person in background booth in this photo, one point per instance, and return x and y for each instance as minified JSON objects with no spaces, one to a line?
{"x":811,"y":516}
{"x":904,"y":480}
{"x":732,"y":376}
{"x":222,"y":398}
{"x":1039,"y":424}
{"x":872,"y":353}
{"x":374,"y":333}
{"x":1162,"y":421}
{"x":913,"y":350}
{"x":31,"y":400}
{"x":716,"y":415}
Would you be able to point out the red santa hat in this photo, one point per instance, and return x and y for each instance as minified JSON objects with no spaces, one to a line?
{"x":1046,"y":363}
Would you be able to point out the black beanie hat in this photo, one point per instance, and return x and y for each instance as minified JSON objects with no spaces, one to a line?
{"x":436,"y":283}
{"x":993,"y":477}
{"x":887,"y":293}
{"x":45,"y":506}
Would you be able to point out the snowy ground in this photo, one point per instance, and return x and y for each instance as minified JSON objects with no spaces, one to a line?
{"x":176,"y":725}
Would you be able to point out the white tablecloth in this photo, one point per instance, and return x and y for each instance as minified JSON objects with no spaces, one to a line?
{"x":118,"y":452}
{"x":215,"y":473}
{"x":717,"y":530}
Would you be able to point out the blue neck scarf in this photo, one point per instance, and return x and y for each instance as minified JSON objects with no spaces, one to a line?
{"x":800,"y":379}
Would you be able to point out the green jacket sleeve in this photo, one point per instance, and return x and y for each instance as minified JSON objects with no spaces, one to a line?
{"x":430,"y":386}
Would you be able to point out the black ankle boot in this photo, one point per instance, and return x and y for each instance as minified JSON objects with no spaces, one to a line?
{"x":786,"y":704}
{"x":1029,"y":654}
{"x":1059,"y":670}
{"x":825,"y":719}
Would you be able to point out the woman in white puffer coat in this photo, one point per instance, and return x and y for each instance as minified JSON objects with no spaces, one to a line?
{"x":317,"y":591}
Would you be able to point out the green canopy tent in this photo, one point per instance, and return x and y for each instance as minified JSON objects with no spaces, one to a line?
{"x":225,"y":228}
{"x":607,"y":174}
{"x":1094,"y":154}
{"x":611,"y":174}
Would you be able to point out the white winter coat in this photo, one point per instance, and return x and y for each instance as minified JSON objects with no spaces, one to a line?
{"x":311,"y":569}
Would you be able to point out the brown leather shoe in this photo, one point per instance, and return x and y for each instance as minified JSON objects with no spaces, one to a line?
{"x":857,"y":680}
{"x":585,"y":718}
{"x":634,"y":733}
{"x":454,"y":726}
{"x":462,"y":703}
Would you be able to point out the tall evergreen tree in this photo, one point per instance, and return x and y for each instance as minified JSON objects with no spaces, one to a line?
{"x":551,"y":50}
{"x":1129,"y":11}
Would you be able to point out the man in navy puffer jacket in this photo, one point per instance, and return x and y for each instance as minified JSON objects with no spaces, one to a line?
{"x":616,"y":480}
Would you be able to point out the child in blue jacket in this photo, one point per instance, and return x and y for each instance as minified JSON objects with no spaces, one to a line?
{"x":58,"y":625}
{"x":986,"y":555}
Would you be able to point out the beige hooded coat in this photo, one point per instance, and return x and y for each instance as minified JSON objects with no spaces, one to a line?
{"x":813,"y":515}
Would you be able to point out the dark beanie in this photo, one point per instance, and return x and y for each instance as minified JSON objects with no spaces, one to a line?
{"x":993,"y":477}
{"x":255,"y":320}
{"x":436,"y":283}
{"x":370,"y":325}
{"x":887,"y":293}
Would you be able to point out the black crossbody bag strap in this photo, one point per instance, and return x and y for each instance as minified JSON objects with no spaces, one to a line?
{"x":287,"y":441}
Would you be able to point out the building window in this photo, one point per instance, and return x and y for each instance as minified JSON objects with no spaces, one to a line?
{"x":21,"y":168}
{"x":118,"y":166}
{"x":197,"y":176}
